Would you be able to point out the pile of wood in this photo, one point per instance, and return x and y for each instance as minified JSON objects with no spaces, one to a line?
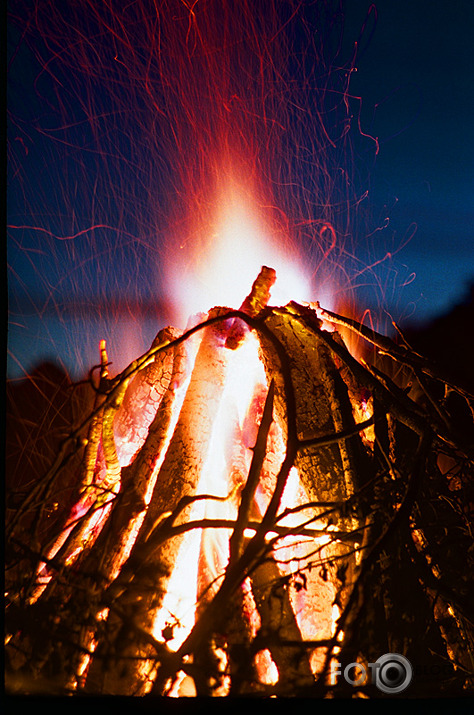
{"x":385,"y":487}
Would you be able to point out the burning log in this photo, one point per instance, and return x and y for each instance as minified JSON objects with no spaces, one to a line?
{"x":154,"y":383}
{"x":138,"y":478}
{"x":333,"y":473}
{"x":253,"y":304}
{"x":97,"y":559}
{"x":178,"y":478}
{"x":328,"y":472}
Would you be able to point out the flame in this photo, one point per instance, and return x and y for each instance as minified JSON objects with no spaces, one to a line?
{"x":244,"y":372}
{"x":222,"y":275}
{"x":239,"y":244}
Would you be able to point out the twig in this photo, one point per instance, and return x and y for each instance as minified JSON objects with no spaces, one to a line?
{"x":251,"y":484}
{"x":325,"y":440}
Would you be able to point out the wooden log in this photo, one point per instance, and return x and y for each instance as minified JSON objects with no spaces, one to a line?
{"x":143,"y":396}
{"x":112,"y":547}
{"x":138,"y":478}
{"x":253,"y":305}
{"x":104,"y":472}
{"x":240,"y":631}
{"x":335,"y":471}
{"x":122,"y":659}
{"x":89,"y":461}
{"x":331,"y":473}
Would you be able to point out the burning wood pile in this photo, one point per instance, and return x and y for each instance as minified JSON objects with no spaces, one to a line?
{"x":253,"y":505}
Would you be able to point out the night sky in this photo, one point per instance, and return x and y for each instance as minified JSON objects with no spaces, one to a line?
{"x":417,"y":73}
{"x":94,"y":181}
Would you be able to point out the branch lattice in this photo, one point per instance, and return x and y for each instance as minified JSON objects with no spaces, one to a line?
{"x":383,"y":532}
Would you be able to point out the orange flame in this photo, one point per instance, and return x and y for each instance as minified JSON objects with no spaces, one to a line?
{"x":238,"y":246}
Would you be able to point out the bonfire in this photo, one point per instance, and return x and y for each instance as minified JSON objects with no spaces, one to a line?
{"x":254,"y":506}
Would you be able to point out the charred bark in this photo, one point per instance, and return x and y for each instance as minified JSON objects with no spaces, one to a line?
{"x":332,"y":472}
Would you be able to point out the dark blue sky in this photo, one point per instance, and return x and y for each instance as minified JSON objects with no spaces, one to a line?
{"x":75,"y":162}
{"x":417,"y":73}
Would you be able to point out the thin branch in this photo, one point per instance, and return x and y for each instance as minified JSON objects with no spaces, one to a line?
{"x":324,"y":440}
{"x":248,"y":492}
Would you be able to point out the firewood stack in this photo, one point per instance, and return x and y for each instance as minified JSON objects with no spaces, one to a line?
{"x":352,"y":568}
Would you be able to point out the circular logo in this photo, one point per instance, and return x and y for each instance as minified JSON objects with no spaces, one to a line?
{"x":393,"y":673}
